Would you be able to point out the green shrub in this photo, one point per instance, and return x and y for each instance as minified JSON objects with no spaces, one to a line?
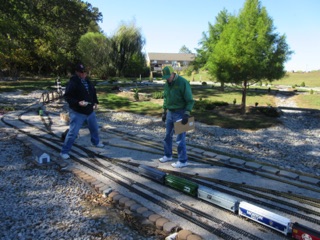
{"x":188,"y":71}
{"x":157,"y":95}
{"x":220,"y":103}
{"x":208,"y":105}
{"x":269,"y":111}
{"x":136,"y":94}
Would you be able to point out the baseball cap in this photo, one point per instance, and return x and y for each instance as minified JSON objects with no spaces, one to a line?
{"x":166,"y":72}
{"x":80,"y":68}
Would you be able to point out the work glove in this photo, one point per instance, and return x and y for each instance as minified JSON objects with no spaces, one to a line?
{"x":164,"y":116}
{"x":185,"y":119}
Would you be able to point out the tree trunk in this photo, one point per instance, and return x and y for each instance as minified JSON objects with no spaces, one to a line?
{"x":222,"y":86}
{"x":244,"y":96}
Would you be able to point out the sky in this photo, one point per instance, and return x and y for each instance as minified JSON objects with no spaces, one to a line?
{"x":167,"y":25}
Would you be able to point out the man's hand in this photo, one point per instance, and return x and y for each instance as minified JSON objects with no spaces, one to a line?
{"x":83,"y":103}
{"x":185,"y":119}
{"x":164,"y":116}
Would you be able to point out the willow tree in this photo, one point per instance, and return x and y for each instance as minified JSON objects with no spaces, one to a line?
{"x":125,"y":44}
{"x":249,"y":50}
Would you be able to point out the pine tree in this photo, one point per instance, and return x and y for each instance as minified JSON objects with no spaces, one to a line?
{"x":249,"y":50}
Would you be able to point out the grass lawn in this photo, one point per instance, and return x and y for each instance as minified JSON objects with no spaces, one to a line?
{"x":310,"y":79}
{"x":224,"y":116}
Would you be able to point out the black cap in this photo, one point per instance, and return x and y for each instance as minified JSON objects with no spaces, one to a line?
{"x":80,"y":68}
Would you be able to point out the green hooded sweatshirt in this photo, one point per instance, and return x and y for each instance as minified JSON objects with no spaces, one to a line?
{"x":178,"y":95}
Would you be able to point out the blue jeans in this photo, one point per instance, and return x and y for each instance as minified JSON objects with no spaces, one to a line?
{"x":172,"y":117}
{"x":76,"y":122}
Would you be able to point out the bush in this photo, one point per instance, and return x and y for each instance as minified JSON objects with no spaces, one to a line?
{"x":269,"y":111}
{"x":136,"y":94}
{"x":188,"y":71}
{"x":208,"y":105}
{"x":157,"y":95}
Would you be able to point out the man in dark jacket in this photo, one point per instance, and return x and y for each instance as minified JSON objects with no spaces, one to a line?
{"x":82,"y":99}
{"x":177,"y":104}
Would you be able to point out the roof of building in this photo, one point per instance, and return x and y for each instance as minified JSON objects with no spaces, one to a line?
{"x":171,"y":56}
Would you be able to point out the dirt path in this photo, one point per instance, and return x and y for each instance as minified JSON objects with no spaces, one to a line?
{"x":285,"y":100}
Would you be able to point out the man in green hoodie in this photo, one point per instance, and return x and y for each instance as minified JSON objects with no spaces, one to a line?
{"x":177,"y":104}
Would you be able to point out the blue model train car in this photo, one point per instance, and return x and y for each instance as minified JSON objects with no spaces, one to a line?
{"x":265,"y":217}
{"x":218,"y":198}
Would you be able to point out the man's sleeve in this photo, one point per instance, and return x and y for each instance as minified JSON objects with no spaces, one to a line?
{"x":188,"y":98}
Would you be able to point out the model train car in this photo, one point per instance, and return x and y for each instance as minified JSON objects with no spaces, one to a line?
{"x":218,"y":198}
{"x":265,"y":217}
{"x":226,"y":201}
{"x":301,"y":232}
{"x":152,"y":173}
{"x":181,"y":184}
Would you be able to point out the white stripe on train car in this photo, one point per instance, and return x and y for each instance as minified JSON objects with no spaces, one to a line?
{"x":265,"y":217}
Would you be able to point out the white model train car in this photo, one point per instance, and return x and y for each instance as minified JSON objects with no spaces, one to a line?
{"x":265,"y":217}
{"x":218,"y":198}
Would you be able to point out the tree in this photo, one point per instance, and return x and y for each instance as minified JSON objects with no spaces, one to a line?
{"x":127,"y":42}
{"x":184,"y":49}
{"x":249,"y":50}
{"x":209,"y":39}
{"x":45,"y":31}
{"x":94,"y":51}
{"x":137,"y":66}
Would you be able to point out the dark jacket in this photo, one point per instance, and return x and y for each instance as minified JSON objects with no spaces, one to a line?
{"x":76,"y":92}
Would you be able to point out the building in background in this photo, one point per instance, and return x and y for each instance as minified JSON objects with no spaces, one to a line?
{"x":157,"y":61}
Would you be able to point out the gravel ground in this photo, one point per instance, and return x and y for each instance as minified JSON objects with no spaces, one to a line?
{"x":43,"y":203}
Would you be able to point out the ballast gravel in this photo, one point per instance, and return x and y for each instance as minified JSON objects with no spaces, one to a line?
{"x":41,"y":202}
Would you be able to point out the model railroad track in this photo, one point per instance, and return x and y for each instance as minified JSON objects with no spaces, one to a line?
{"x":196,"y":158}
{"x":97,"y":165}
{"x":155,"y":146}
{"x":94,"y":163}
{"x":259,"y":199}
{"x":248,"y":189}
{"x":242,"y":187}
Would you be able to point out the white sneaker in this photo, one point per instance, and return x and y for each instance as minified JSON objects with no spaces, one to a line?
{"x":99,"y":145}
{"x":179,"y":164}
{"x":165,"y":159}
{"x":64,"y":156}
